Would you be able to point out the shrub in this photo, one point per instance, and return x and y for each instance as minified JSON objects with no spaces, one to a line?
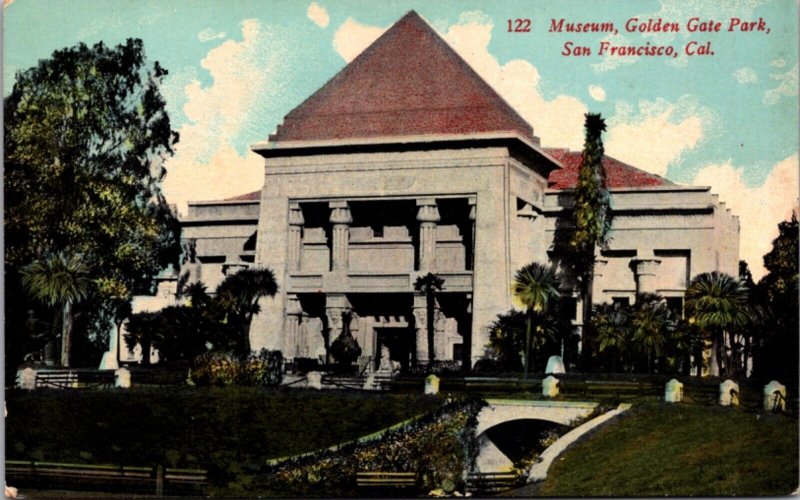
{"x":487,"y":366}
{"x":305,"y":365}
{"x":345,"y":349}
{"x":221,"y":369}
{"x":437,"y":367}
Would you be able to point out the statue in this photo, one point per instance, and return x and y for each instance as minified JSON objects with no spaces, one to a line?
{"x":386,"y":364}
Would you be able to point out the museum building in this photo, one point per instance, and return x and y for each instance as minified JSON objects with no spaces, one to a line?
{"x":407,"y":163}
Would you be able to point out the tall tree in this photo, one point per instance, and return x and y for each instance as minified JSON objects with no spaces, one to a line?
{"x":536,"y":287}
{"x":429,"y":285}
{"x":59,"y":280}
{"x":591,"y":219}
{"x":86,"y":135}
{"x":778,"y":291}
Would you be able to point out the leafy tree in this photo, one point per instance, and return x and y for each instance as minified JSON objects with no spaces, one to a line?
{"x":59,"y":280}
{"x":718,"y":304}
{"x":536,"y":287}
{"x":429,"y":285}
{"x":86,"y":134}
{"x":778,"y":291}
{"x":591,"y":219}
{"x":238,"y":297}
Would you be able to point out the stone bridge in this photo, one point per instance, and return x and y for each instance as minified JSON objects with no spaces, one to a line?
{"x":499,"y":411}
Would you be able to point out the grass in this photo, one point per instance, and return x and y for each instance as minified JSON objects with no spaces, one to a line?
{"x":681,"y":450}
{"x":230,"y":429}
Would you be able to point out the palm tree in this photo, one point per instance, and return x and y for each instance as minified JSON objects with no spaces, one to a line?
{"x":239,"y":294}
{"x":63,"y":280}
{"x":429,"y":285}
{"x":591,"y":219}
{"x":650,"y":326}
{"x":718,"y":304}
{"x":611,"y":325}
{"x":536,"y":287}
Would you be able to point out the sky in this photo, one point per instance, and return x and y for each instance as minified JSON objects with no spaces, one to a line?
{"x":236,"y":68}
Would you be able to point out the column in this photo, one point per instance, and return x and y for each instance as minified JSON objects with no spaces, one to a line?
{"x":600,"y":264}
{"x":292,"y":341}
{"x":296,"y":221}
{"x":473,"y":215}
{"x":428,"y":217}
{"x":341,"y":220}
{"x":420,"y":311}
{"x":335,"y":305}
{"x":646,"y":268}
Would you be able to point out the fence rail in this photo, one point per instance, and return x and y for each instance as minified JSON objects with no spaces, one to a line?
{"x":158,"y":480}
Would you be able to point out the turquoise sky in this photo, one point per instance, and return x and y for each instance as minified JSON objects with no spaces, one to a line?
{"x":731,"y":116}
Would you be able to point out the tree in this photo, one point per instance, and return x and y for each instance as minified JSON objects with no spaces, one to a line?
{"x":613,"y":333}
{"x":86,"y":134}
{"x":59,"y":280}
{"x":591,"y":219}
{"x":718,"y":304}
{"x":536,"y":287}
{"x":238,"y":297}
{"x":650,"y":324}
{"x":777,"y":357}
{"x":429,"y":285}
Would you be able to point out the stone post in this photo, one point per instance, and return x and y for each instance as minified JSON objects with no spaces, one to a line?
{"x":292,"y":339}
{"x":295,"y":251}
{"x":26,"y":379}
{"x":428,"y":217}
{"x":550,"y":387}
{"x":314,"y":380}
{"x":729,"y":393}
{"x":646,"y":268}
{"x":432,"y":384}
{"x":122,"y":378}
{"x":341,"y":220}
{"x":774,"y":396}
{"x":673,"y":392}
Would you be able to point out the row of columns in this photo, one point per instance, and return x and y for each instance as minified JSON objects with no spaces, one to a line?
{"x":645,"y":270}
{"x":341,"y":220}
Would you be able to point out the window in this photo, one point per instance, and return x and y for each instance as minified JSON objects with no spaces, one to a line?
{"x":569,"y":308}
{"x":623,"y":301}
{"x":457,"y":351}
{"x":675,"y":305}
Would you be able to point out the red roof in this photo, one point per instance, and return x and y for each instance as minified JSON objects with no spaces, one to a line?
{"x":408,"y":82}
{"x":618,"y":174}
{"x":254,"y":196}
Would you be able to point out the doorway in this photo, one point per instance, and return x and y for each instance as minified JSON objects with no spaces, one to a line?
{"x":398,"y":340}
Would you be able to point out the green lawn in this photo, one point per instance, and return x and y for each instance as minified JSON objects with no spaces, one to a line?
{"x":681,"y":450}
{"x":229,"y":429}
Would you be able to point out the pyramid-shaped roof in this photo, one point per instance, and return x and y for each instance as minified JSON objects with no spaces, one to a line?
{"x":409,"y":82}
{"x":618,"y":174}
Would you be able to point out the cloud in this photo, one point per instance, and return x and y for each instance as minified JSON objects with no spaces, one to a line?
{"x":352,"y":37}
{"x":318,"y":15}
{"x":208,"y":35}
{"x":759,"y":208}
{"x":778,"y":63}
{"x":745,"y":75}
{"x":787,"y":86}
{"x":658,"y":134}
{"x":245,"y":79}
{"x":557,"y":120}
{"x":597,"y":93}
